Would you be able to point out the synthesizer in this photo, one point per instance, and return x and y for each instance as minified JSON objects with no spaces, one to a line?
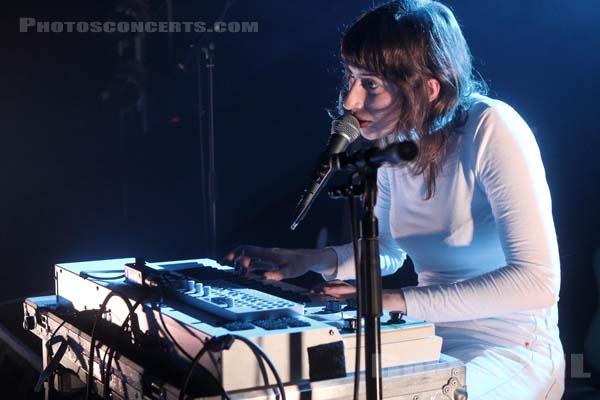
{"x":191,"y":301}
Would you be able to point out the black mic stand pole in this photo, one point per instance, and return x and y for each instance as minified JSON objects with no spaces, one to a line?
{"x":369,"y":273}
{"x":368,"y":276}
{"x":208,"y":176}
{"x":212,"y":175}
{"x":370,"y":280}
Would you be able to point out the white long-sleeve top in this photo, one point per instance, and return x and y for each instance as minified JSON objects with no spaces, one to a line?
{"x":484,"y":246}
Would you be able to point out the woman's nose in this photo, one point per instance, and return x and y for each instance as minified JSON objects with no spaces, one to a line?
{"x":355,"y":98}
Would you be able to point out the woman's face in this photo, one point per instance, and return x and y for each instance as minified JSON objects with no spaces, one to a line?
{"x":373,"y":102}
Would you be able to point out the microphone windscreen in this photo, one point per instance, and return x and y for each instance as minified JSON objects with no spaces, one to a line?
{"x":346,"y":125}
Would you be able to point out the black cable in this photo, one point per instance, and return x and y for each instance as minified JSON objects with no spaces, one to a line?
{"x":168,"y":332}
{"x":88,"y":275}
{"x":90,"y":365}
{"x":221,"y":345}
{"x":105,"y":377}
{"x":261,"y":366}
{"x":253,"y":346}
{"x":50,"y":342}
{"x":50,"y":354}
{"x":175,"y":342}
{"x":351,"y":202}
{"x":182,"y":350}
{"x":52,"y":364}
{"x":193,"y":363}
{"x":111,"y":352}
{"x":64,"y":321}
{"x":100,"y":278}
{"x":179,"y":347}
{"x":101,"y":311}
{"x":188,"y":375}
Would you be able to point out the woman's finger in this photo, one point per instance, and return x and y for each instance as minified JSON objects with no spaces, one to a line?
{"x":241,"y":264}
{"x":274,"y":255}
{"x":274,"y":275}
{"x":231,"y":257}
{"x":338,"y":289}
{"x":239,"y":253}
{"x":262,"y":264}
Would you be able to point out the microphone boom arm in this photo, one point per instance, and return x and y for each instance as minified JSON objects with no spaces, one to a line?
{"x":373,"y":158}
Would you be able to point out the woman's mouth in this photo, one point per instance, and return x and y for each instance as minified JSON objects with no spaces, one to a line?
{"x":363,"y":123}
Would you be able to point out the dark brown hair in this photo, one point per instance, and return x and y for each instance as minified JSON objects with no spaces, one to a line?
{"x":407,"y":43}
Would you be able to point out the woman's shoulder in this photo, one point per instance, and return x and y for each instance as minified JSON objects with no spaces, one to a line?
{"x":495,"y":131}
{"x":486,"y":116}
{"x":483,"y":106}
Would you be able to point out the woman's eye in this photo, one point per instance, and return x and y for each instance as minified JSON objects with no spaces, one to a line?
{"x":369,"y":84}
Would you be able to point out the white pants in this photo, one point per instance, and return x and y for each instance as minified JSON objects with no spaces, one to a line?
{"x":507,"y":361}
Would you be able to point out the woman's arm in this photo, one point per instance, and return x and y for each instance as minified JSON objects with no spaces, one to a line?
{"x":509,"y":170}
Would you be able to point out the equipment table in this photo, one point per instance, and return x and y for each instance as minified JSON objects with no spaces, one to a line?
{"x":440,"y":380}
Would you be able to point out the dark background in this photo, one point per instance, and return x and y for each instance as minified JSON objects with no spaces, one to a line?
{"x":81,"y":179}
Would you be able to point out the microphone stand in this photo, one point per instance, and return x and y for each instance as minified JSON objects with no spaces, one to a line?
{"x":370,"y":280}
{"x":212,"y":175}
{"x":204,"y":58}
{"x":368,"y":277}
{"x":369,"y":271}
{"x":205,"y":64}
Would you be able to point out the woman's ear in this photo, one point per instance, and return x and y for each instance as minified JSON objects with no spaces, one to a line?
{"x":433,"y":86}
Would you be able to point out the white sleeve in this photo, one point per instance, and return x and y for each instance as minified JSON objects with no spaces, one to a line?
{"x":509,"y":170}
{"x":391,"y":257}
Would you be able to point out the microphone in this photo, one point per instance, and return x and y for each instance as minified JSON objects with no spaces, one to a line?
{"x":344,"y":130}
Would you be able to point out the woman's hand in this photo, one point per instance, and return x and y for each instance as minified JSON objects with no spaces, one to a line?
{"x":339,"y":289}
{"x":392,"y":299}
{"x":282,"y":263}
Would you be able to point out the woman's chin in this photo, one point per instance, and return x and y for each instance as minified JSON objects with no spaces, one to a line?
{"x":370,"y":138}
{"x":370,"y":134}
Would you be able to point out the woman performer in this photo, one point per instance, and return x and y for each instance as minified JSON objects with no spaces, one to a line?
{"x":473,"y":211}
